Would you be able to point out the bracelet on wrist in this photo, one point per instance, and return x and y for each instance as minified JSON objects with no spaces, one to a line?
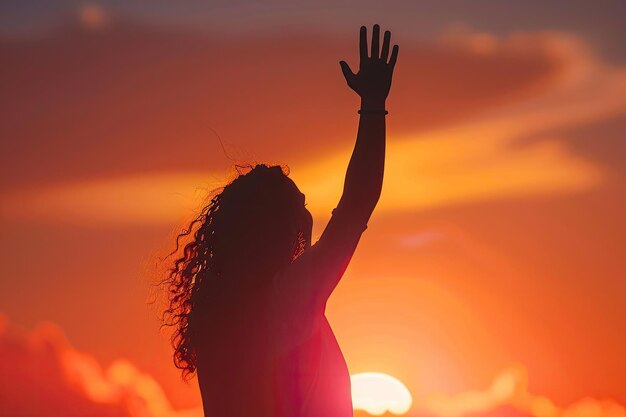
{"x":373,"y":111}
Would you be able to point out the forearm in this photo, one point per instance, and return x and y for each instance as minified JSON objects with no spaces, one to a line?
{"x":364,"y":177}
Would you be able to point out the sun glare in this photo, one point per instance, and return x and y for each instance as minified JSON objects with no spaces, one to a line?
{"x":378,"y":393}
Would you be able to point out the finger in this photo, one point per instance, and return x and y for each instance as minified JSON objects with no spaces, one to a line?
{"x":363,"y":43}
{"x":394,"y":56}
{"x":375,"y":42}
{"x":347,"y":72}
{"x":384,"y":54}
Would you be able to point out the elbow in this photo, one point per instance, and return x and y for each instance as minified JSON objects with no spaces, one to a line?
{"x":364,"y":203}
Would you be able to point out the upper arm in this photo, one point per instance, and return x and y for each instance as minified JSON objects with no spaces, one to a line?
{"x":311,"y":278}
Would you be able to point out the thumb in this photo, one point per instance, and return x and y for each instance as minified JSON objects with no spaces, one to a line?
{"x":347,"y":72}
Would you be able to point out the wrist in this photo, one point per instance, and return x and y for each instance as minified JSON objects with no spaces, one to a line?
{"x":372,"y":104}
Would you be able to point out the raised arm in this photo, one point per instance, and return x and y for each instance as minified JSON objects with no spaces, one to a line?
{"x":364,"y":177}
{"x":309,"y":280}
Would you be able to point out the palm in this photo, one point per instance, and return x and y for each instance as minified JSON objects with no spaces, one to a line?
{"x":373,"y":80}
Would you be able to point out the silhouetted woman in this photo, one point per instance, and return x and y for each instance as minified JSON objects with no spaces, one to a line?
{"x":248,"y":292}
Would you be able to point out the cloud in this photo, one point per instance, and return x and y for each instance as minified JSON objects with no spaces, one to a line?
{"x":501,"y":390}
{"x":421,"y":238}
{"x":118,"y":201}
{"x":41,"y":374}
{"x":134,"y":99}
{"x":509,"y":388}
{"x":506,"y":152}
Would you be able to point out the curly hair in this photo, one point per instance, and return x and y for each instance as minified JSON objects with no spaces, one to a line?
{"x":253,"y":217}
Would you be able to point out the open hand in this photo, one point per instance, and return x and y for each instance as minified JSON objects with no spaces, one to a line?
{"x":373,"y":80}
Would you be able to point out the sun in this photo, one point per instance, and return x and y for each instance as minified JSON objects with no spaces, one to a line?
{"x":377,"y":393}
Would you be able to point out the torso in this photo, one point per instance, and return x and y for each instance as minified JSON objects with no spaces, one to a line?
{"x":316,"y":377}
{"x":249,"y":365}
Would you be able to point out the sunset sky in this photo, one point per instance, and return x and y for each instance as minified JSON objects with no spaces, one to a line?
{"x":491,"y":279}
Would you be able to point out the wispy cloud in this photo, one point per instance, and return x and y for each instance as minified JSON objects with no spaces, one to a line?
{"x":506,"y":153}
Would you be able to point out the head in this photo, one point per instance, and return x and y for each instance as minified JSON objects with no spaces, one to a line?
{"x":250,"y":229}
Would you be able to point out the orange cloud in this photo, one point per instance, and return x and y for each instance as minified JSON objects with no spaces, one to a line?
{"x":510,"y":388}
{"x":133,"y":99}
{"x":483,"y":158}
{"x":41,"y":374}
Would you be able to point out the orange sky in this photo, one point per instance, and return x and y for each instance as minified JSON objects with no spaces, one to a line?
{"x":494,"y":253}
